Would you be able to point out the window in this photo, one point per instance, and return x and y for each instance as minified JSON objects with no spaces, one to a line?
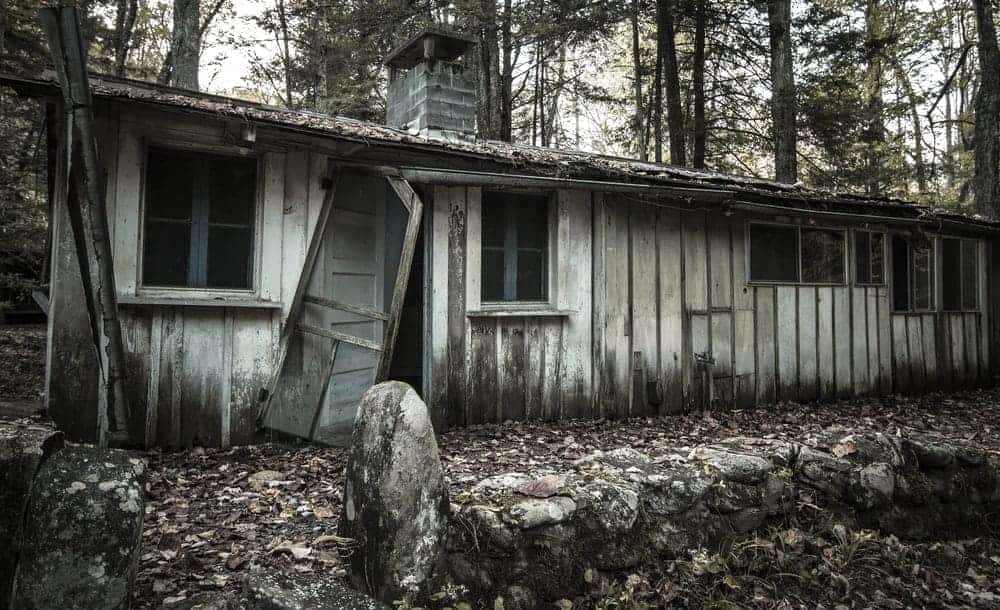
{"x":515,"y":236}
{"x":959,"y":275}
{"x":199,"y":220}
{"x":912,"y":274}
{"x":796,"y":255}
{"x":869,"y":257}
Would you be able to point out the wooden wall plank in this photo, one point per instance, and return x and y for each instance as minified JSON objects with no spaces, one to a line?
{"x":552,"y":333}
{"x":825,"y":352}
{"x":251,"y":370}
{"x":742,"y":293}
{"x":787,"y":342}
{"x":698,"y":393}
{"x":645,"y":303}
{"x":512,"y":382}
{"x":273,"y":195}
{"x":439,"y":274}
{"x":720,"y":255}
{"x":765,"y":343}
{"x":808,"y":358}
{"x":859,"y":340}
{"x":871,"y":312}
{"x":318,"y":169}
{"x":295,"y":219}
{"x":574,"y":294}
{"x":534,"y":350}
{"x":616,"y":332}
{"x":695,"y":261}
{"x":169,"y":416}
{"x":915,"y":340}
{"x":842,"y":340}
{"x":884,"y":340}
{"x":457,"y":329}
{"x":126,"y":215}
{"x":928,"y":348}
{"x":599,"y":312}
{"x":971,"y":342}
{"x":744,"y":377}
{"x":901,"y":361}
{"x":722,"y":351}
{"x":671,"y":326}
{"x":482,"y":380}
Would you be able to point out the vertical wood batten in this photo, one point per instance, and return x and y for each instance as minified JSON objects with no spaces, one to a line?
{"x":599,"y":290}
{"x":825,"y":352}
{"x":574,"y":284}
{"x":765,"y":338}
{"x":787,"y":342}
{"x":842,"y":340}
{"x":645,"y":304}
{"x":269,"y":266}
{"x":295,"y":221}
{"x":671,"y":306}
{"x":808,"y":358}
{"x":617,"y":361}
{"x":438,"y":233}
{"x":456,"y":200}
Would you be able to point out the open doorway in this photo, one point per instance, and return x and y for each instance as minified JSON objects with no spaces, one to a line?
{"x":408,"y":355}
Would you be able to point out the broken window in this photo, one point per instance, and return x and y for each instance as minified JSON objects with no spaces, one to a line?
{"x":959,"y":275}
{"x":869,"y":257}
{"x":912,"y":274}
{"x":199,"y":220}
{"x":788,"y":254}
{"x":515,"y":237}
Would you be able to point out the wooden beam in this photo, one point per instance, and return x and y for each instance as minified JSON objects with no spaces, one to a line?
{"x":89,"y":217}
{"x":322,"y":394}
{"x":367,"y":312}
{"x":295,"y":308}
{"x":339,"y":336}
{"x":416,"y":208}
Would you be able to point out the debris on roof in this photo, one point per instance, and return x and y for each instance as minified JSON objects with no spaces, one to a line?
{"x":567,"y":164}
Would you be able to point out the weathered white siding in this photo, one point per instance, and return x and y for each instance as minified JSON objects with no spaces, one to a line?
{"x":652,"y":286}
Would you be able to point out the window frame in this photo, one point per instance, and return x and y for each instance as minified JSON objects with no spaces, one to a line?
{"x":191,"y":292}
{"x":885,"y":257}
{"x":935,"y":301}
{"x":475,"y":305}
{"x":979,"y":265}
{"x":844,"y":231}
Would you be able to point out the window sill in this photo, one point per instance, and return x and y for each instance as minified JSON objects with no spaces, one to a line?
{"x":197,"y":302}
{"x":515,"y":312}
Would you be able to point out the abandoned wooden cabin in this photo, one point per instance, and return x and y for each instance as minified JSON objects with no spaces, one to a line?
{"x":256,"y":252}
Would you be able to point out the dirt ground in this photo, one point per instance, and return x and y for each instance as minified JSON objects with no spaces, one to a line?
{"x":215,"y":515}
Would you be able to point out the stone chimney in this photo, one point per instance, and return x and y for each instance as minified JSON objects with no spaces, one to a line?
{"x":430,"y":93}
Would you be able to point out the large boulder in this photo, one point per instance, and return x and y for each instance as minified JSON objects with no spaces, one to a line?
{"x":395,"y":498}
{"x":21,"y":453}
{"x":82,"y":531}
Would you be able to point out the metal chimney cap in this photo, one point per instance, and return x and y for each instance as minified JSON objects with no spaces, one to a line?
{"x":430,"y":43}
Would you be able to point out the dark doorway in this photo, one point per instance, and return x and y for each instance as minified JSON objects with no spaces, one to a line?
{"x":408,"y":355}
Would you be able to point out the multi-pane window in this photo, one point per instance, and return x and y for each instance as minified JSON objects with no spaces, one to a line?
{"x":515,"y":237}
{"x":912,"y":274}
{"x":199,"y":220}
{"x":959,"y":275}
{"x":789,"y":254}
{"x":869,"y":257}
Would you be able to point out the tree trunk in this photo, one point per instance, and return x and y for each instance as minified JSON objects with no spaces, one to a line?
{"x":986,"y":181}
{"x":874,"y":133}
{"x":180,"y":68}
{"x":125,"y":16}
{"x":507,"y":76}
{"x":675,"y":117}
{"x":639,"y":129}
{"x":698,"y":83}
{"x":488,"y":94}
{"x":919,"y":169}
{"x":779,"y":14}
{"x":658,"y":101}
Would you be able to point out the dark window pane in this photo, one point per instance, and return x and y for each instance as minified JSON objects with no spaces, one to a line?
{"x":165,"y":254}
{"x":169,"y":185}
{"x":532,"y":225}
{"x":878,"y":258}
{"x":773,"y":253}
{"x":862,"y":257}
{"x":494,"y":220}
{"x":900,"y":274}
{"x":951,"y":276}
{"x":531,"y":277}
{"x":230,"y":254}
{"x":923,"y":282}
{"x":492,"y":275}
{"x":231,"y":197}
{"x":822,"y":256}
{"x":970,"y":275}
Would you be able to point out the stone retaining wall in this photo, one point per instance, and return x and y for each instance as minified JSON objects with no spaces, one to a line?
{"x":530,"y":538}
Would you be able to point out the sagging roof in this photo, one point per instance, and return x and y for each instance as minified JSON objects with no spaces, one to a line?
{"x":567,"y":165}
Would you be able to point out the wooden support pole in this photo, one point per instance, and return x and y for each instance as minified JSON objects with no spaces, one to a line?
{"x":89,"y":218}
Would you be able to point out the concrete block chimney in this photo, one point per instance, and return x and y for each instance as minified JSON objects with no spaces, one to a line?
{"x":430,"y":93}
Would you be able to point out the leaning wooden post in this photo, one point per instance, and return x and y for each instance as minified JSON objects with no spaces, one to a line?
{"x":89,"y":218}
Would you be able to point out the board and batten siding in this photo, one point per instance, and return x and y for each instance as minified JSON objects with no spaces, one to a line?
{"x":647,"y":294}
{"x":202,"y":366}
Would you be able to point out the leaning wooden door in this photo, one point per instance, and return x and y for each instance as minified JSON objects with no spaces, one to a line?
{"x":345,"y":311}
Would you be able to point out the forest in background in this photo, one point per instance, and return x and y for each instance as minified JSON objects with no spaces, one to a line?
{"x":882,"y":97}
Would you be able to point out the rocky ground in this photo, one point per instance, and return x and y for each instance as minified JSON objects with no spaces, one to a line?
{"x":215,"y":516}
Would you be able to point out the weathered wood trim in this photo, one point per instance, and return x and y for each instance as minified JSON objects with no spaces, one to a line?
{"x":456,"y":199}
{"x":153,"y":387}
{"x":375,"y":346}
